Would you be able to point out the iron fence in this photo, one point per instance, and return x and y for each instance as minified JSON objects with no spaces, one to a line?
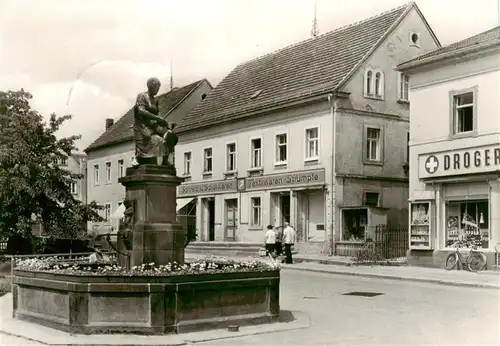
{"x":391,"y":242}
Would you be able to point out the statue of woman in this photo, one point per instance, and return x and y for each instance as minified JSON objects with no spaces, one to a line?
{"x":154,"y":139}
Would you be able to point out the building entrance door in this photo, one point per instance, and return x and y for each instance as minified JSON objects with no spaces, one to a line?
{"x":285,"y":208}
{"x":211,"y":219}
{"x":231,"y":221}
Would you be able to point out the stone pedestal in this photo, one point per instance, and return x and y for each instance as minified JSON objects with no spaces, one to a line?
{"x":157,"y":237}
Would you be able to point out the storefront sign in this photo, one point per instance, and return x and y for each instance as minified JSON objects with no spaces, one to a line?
{"x":286,"y":180}
{"x":457,"y":162}
{"x":208,"y":188}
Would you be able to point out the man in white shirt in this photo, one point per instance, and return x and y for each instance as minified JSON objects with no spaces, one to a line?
{"x":270,"y":240}
{"x":289,"y":240}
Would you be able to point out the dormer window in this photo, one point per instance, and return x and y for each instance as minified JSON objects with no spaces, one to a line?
{"x":374,"y":83}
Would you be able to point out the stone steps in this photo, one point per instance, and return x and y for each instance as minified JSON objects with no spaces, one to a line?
{"x":244,"y":249}
{"x":224,"y":248}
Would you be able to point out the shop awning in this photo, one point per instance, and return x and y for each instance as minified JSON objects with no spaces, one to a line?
{"x":182,"y":202}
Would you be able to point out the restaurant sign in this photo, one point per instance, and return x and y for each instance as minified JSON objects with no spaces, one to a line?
{"x":208,"y":188}
{"x":473,"y":160}
{"x":286,"y":180}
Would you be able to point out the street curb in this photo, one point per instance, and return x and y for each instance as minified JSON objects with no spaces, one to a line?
{"x":399,"y":278}
{"x":302,"y":321}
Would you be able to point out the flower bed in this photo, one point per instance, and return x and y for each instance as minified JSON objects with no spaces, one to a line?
{"x":81,"y":266}
{"x":101,"y":297}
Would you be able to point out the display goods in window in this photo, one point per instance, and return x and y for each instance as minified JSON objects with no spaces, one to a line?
{"x":420,"y":226}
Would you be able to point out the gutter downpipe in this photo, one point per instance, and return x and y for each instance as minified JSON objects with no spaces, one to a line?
{"x":331,"y":233}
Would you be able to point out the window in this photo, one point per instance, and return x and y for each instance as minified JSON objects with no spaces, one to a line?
{"x":463,"y":109}
{"x":368,"y":83}
{"x":372,"y":144}
{"x":108,"y":172}
{"x":281,"y":148}
{"x":256,"y":220}
{"x":73,"y":188}
{"x":64,"y":161}
{"x":107,"y":212}
{"x":231,"y":157}
{"x":187,"y":163}
{"x":371,"y":199}
{"x":96,"y":174}
{"x":312,"y":143}
{"x":121,"y":168}
{"x":207,"y":160}
{"x":256,"y":153}
{"x":404,"y":87}
{"x":414,"y":39}
{"x":467,"y":221}
{"x":374,"y":83}
{"x":378,"y":81}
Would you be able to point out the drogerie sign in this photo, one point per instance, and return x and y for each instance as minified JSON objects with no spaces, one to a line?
{"x":458,"y":162}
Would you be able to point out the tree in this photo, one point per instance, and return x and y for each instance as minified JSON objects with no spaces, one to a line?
{"x":33,"y":187}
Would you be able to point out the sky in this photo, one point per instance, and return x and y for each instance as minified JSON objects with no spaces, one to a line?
{"x":90,"y":58}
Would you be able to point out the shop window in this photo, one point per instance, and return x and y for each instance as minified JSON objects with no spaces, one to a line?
{"x":256,"y":211}
{"x":467,"y":221}
{"x":354,"y":224}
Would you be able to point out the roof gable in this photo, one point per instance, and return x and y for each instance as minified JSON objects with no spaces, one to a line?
{"x":315,"y":65}
{"x":490,"y":36}
{"x":122,"y":131}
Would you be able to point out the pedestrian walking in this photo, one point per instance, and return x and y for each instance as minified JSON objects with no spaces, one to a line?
{"x":270,"y":240}
{"x":279,"y":239}
{"x":289,"y":240}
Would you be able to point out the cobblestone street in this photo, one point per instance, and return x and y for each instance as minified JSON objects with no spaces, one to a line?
{"x":406,"y":313}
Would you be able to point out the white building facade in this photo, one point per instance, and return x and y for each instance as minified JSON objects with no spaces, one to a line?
{"x":455,"y":149}
{"x":268,"y":173}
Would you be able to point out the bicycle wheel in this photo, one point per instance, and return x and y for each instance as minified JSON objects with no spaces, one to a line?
{"x":451,"y":261}
{"x":476,"y":261}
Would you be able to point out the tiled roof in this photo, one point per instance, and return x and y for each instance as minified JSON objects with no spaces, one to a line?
{"x":122,"y":131}
{"x":315,"y":65}
{"x":484,"y":37}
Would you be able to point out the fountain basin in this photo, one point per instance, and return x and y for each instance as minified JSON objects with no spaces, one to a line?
{"x":88,"y":304}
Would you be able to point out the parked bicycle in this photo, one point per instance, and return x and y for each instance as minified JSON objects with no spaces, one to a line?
{"x":475,"y":260}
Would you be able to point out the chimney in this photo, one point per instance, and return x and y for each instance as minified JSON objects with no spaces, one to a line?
{"x":109,"y":123}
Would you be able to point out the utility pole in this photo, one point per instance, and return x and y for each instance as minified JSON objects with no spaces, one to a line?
{"x":315,"y":30}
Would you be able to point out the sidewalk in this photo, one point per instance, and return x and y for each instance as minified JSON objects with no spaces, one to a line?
{"x":49,"y":336}
{"x":483,"y":279}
